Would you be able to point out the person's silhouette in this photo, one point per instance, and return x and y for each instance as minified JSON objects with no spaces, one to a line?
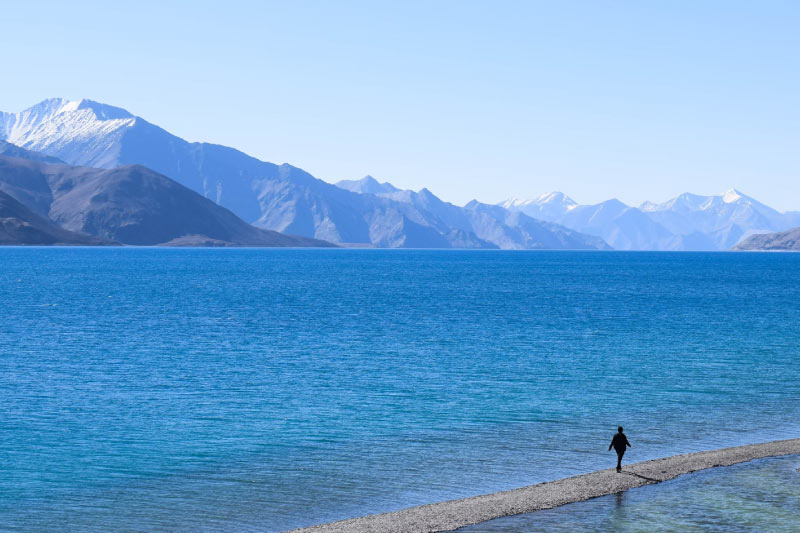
{"x":619,"y":443}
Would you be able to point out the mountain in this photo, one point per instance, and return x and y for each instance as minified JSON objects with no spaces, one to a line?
{"x":549,"y":206}
{"x":686,"y":222}
{"x":91,"y":134}
{"x":368,"y":212}
{"x":621,"y":226}
{"x":276,"y":197}
{"x":367,"y":185}
{"x":480,"y":225}
{"x":322,"y":209}
{"x":518,"y":230}
{"x":130,"y":205}
{"x":781,"y":241}
{"x":20,"y":225}
{"x":725,"y":219}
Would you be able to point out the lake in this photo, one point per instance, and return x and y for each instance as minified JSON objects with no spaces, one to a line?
{"x":262,"y":389}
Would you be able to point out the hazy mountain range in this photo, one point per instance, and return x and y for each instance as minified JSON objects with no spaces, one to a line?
{"x":277,"y":197}
{"x":687,"y":222}
{"x":287,"y":199}
{"x":476,"y":225}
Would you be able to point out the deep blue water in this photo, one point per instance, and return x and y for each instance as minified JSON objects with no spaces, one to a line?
{"x":208,"y":389}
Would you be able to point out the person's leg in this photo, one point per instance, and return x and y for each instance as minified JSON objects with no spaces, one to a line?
{"x":619,"y":459}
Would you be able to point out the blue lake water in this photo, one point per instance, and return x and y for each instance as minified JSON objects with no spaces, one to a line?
{"x":206,"y":389}
{"x":762,"y":495}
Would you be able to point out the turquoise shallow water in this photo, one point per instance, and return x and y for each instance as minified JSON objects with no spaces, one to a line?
{"x":244,"y":390}
{"x":761,"y":495}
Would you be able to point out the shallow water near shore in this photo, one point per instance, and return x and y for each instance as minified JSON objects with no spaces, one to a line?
{"x":761,"y":495}
{"x":267,"y":389}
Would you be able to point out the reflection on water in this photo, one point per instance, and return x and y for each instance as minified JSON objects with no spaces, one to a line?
{"x":761,"y":495}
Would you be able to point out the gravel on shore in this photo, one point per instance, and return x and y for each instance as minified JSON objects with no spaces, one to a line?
{"x":453,"y":514}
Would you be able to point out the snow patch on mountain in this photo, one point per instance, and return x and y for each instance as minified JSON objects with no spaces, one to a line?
{"x":731,"y":196}
{"x":686,"y":222}
{"x":549,"y":206}
{"x":82,"y":132}
{"x":548,"y":198}
{"x":285,"y":198}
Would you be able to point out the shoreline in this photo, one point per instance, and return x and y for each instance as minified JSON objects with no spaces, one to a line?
{"x":454,"y":514}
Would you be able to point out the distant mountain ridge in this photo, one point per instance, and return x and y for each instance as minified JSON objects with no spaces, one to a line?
{"x":686,"y":222}
{"x":492,"y":227}
{"x":367,"y":185}
{"x":287,"y":199}
{"x":276,"y":197}
{"x":129,"y":205}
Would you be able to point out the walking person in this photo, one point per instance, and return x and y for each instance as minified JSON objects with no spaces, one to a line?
{"x":619,"y":443}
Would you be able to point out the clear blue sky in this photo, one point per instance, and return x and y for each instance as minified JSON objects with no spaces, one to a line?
{"x":636,"y":100}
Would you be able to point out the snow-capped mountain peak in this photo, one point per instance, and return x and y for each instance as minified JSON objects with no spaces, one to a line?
{"x":513,"y":202}
{"x":101,"y":111}
{"x":88,"y":133}
{"x":684,"y":202}
{"x":83,"y":132}
{"x":549,"y":206}
{"x":688,"y":202}
{"x":556,"y":197}
{"x":732,"y":195}
{"x":551,"y":198}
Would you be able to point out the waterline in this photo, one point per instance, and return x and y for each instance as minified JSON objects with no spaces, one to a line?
{"x":454,"y":514}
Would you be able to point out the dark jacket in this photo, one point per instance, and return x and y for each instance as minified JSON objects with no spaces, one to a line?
{"x":619,"y":442}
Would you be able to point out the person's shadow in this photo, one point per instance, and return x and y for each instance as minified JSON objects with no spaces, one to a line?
{"x":642,"y":477}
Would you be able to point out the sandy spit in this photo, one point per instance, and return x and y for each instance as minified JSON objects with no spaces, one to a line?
{"x":453,"y":514}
